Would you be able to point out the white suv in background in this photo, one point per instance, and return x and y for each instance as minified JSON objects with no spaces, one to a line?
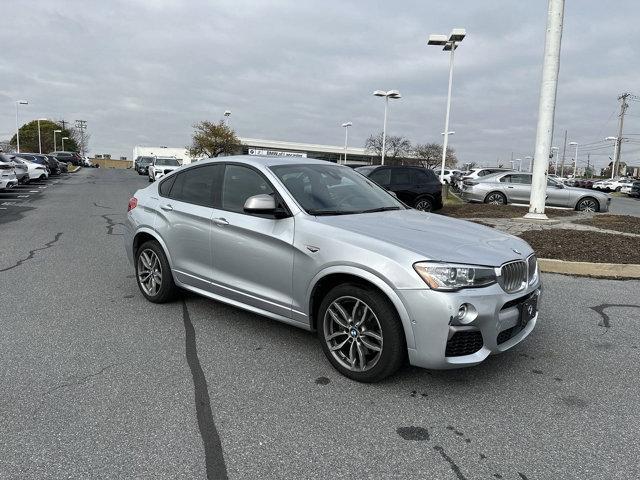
{"x":161,"y":166}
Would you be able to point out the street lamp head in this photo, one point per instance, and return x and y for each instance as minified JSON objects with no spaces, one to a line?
{"x":389,"y":94}
{"x":438,"y":40}
{"x":65,"y":138}
{"x":227,"y":113}
{"x":555,"y":148}
{"x":457,"y":35}
{"x":611,"y":138}
{"x":448,"y":133}
{"x":380,"y":93}
{"x":57,"y":131}
{"x":573,"y":144}
{"x":43,"y":119}
{"x":347,"y":124}
{"x":22,"y":102}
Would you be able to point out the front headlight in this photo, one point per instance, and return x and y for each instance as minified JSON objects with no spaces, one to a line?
{"x":452,"y":276}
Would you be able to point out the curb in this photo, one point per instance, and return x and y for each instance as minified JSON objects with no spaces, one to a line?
{"x":588,"y":269}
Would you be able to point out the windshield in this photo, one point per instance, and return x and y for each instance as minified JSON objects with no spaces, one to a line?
{"x":334,"y":190}
{"x":168,"y":162}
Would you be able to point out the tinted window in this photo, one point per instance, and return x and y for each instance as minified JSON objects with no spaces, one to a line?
{"x":165,"y":186}
{"x":196,"y":185}
{"x":517,"y":178}
{"x":239,"y":184}
{"x":382,"y":176}
{"x":169,"y":162}
{"x":424,"y":176}
{"x":400,"y":176}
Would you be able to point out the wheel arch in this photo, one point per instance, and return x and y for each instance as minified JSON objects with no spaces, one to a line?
{"x":145,"y":234}
{"x":584,"y":197}
{"x":490,"y":192}
{"x":332,"y":276}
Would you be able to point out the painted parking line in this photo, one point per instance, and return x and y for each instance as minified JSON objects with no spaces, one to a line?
{"x":33,"y":191}
{"x":24,"y":196}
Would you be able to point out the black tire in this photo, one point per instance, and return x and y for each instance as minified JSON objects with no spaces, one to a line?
{"x":168,"y":289}
{"x":496,"y":198}
{"x":150,"y":180}
{"x":424,"y":204}
{"x":394,"y":347}
{"x":583,"y":205}
{"x":618,"y":189}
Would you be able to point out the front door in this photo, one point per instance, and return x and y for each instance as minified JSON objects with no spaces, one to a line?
{"x":252,"y":254}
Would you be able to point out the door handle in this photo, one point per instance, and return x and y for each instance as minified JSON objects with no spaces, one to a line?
{"x":220,"y":221}
{"x":509,"y":187}
{"x":166,"y":207}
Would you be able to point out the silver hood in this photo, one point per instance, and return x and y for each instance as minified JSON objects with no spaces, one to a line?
{"x":432,"y":236}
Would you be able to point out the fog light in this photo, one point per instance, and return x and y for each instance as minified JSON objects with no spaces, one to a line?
{"x":467,"y":313}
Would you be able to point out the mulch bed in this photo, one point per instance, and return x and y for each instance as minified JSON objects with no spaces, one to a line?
{"x":619,"y":223}
{"x":483,"y":210}
{"x":583,"y":246}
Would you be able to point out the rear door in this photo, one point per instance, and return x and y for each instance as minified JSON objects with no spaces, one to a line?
{"x":517,"y":187}
{"x":252,"y":253}
{"x":184,"y":212}
{"x":402,"y":185}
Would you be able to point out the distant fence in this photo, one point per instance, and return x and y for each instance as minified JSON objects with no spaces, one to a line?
{"x":111,"y":163}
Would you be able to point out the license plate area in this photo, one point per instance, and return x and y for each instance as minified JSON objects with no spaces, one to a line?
{"x":528,"y":309}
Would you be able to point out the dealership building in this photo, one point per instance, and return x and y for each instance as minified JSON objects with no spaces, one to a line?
{"x":255,"y":146}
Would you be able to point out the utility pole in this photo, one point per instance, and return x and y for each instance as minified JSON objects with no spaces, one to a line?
{"x":588,"y":165}
{"x":546,"y":108}
{"x":564,"y":153}
{"x":64,"y":124}
{"x":82,"y":126}
{"x":623,"y":108}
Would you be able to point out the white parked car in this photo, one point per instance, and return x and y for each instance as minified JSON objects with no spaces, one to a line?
{"x":35,"y":171}
{"x":8,"y":177}
{"x":449,"y":175}
{"x":161,"y":166}
{"x":616,"y":184}
{"x":557,"y":178}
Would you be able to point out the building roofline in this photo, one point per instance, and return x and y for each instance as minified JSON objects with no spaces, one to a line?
{"x":276,"y":144}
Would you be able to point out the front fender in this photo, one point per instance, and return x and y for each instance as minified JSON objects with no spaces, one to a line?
{"x":156,"y":237}
{"x":378,"y":282}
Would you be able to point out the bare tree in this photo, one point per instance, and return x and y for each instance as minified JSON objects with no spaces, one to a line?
{"x":396,"y":147}
{"x":429,"y":155}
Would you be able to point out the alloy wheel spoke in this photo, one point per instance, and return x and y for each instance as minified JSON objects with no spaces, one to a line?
{"x":342,"y":312}
{"x":144,"y":256}
{"x":339,"y":345}
{"x":355,"y":309}
{"x":337,"y":319}
{"x":352,"y":354}
{"x":361,"y":356}
{"x":369,"y":333}
{"x":336,"y":335}
{"x":367,"y":343}
{"x":363,"y":317}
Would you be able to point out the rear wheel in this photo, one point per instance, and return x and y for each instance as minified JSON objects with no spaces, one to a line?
{"x":588,"y":204}
{"x":360,"y":333}
{"x":153,"y":273}
{"x":424,"y":204}
{"x":496,"y":198}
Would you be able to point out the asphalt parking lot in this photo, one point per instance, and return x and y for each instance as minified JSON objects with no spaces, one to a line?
{"x":99,"y":383}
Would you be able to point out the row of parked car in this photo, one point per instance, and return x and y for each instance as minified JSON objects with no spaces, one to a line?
{"x":19,"y":168}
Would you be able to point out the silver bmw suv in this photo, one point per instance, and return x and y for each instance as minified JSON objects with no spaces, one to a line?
{"x":319,"y":246}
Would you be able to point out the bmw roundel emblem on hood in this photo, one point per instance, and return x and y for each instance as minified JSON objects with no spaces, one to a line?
{"x":517,"y":251}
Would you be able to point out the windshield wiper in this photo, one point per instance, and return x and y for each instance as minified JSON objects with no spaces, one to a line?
{"x":318,"y":212}
{"x":381,"y":209}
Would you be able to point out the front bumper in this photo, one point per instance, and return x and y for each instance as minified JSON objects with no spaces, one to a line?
{"x":496,"y":328}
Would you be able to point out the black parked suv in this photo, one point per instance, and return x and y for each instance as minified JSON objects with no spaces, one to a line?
{"x":416,"y":186}
{"x":635,"y":189}
{"x":141,"y":165}
{"x":68,"y":157}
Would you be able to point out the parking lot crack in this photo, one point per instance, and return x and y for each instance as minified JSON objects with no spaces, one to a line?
{"x":111,"y":224}
{"x":454,"y":466}
{"x":214,"y":458}
{"x":81,"y":380}
{"x":32,"y":253}
{"x":600,"y":309}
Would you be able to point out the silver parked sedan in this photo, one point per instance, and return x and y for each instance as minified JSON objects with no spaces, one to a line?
{"x":515,"y":187}
{"x":319,"y":246}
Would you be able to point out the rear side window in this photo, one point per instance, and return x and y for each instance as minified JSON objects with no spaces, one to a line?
{"x":165,"y":185}
{"x":400,"y":176}
{"x":424,"y":176}
{"x":381,"y":176}
{"x":196,"y":185}
{"x":239,"y":184}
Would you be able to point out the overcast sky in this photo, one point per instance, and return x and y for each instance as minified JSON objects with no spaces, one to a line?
{"x":142,"y":72}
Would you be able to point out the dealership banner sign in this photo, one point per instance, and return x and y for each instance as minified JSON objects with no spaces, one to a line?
{"x":276,"y":153}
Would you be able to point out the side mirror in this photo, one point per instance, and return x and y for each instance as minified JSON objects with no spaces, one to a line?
{"x":392,"y":193}
{"x":559,"y":185}
{"x":262,"y":203}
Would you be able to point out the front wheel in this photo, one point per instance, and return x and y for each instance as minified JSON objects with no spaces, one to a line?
{"x":361,"y":333}
{"x":153,"y":273}
{"x":587,"y":205}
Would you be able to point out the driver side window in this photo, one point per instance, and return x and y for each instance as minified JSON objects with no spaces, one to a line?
{"x":240,"y":183}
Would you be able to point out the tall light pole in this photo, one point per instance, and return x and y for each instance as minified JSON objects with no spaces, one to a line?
{"x":615,"y":153}
{"x":387,"y":95}
{"x":546,"y":108}
{"x":18,"y":102}
{"x":39,"y":136}
{"x":575,"y":159}
{"x":449,"y":44}
{"x":63,"y":139}
{"x":346,"y":126}
{"x":55,"y":145}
